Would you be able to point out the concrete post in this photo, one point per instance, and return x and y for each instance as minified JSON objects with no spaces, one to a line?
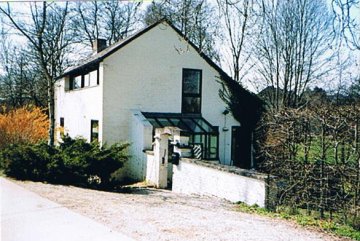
{"x":161,"y":157}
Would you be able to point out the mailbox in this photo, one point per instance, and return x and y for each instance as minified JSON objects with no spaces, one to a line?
{"x":175,"y":157}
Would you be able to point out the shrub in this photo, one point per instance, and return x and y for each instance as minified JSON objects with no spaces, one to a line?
{"x":74,"y":162}
{"x":24,"y":125}
{"x":26,"y":161}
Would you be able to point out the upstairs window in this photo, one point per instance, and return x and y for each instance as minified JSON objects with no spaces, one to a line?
{"x":191,"y":91}
{"x":85,"y":79}
{"x":94,"y":132}
{"x":75,"y":82}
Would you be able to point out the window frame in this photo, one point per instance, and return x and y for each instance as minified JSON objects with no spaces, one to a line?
{"x":62,"y":122}
{"x":185,"y":95}
{"x":62,"y":125}
{"x":92,"y":138}
{"x":82,"y":74}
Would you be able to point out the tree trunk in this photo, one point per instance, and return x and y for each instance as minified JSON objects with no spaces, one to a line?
{"x":51,"y":106}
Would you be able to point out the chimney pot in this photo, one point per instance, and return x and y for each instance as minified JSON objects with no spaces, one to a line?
{"x":99,"y":45}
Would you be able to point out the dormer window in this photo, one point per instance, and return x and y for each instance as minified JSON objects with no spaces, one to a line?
{"x":191,"y":91}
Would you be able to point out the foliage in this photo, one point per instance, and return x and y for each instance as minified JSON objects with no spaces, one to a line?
{"x":49,"y":42}
{"x":303,"y":218}
{"x":26,"y":161}
{"x":246,"y":107}
{"x":24,"y":125}
{"x":74,"y":161}
{"x":315,"y":154}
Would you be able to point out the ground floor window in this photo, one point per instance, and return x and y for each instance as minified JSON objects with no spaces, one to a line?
{"x":94,"y":133}
{"x":209,"y":144}
{"x":62,"y":126}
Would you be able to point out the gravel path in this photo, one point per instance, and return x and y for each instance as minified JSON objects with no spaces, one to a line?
{"x":150,"y":214}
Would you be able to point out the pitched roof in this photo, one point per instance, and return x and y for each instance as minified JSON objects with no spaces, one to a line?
{"x":97,"y":58}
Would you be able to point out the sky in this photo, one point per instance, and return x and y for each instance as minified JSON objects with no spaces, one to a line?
{"x":354,"y":55}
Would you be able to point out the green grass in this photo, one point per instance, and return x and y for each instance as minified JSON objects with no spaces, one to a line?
{"x":315,"y":151}
{"x":300,"y":217}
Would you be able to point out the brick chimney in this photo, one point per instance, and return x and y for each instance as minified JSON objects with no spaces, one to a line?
{"x":99,"y":45}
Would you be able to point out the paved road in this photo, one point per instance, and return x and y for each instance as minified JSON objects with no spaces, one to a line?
{"x":26,"y":216}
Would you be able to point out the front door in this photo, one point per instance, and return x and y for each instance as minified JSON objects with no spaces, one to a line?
{"x":241,"y":147}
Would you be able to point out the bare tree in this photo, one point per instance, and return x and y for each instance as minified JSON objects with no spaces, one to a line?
{"x":45,"y":31}
{"x":238,"y":18}
{"x":20,"y":83}
{"x":196,"y":19}
{"x":314,"y":151}
{"x":294,"y":48}
{"x":111,"y":20}
{"x":345,"y":22}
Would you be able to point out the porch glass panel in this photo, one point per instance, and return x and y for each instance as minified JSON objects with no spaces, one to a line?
{"x":200,"y":131}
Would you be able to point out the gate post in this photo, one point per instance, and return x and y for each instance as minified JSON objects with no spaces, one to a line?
{"x":161,"y":149}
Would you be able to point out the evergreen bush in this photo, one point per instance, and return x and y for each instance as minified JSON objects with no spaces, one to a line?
{"x":74,"y":162}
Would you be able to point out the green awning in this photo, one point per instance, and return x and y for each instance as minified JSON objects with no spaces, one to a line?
{"x":193,"y":124}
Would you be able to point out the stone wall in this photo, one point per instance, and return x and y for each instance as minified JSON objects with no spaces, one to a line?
{"x":228,"y":182}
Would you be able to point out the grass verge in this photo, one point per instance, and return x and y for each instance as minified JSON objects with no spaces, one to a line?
{"x":304,"y":220}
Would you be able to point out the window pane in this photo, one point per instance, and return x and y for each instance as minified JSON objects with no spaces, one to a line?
{"x":154,"y":123}
{"x":194,"y":128}
{"x":86,"y":80}
{"x":197,"y":139}
{"x":62,"y":121}
{"x":180,"y":124}
{"x":77,"y":82}
{"x":204,"y":125}
{"x":191,"y":105}
{"x":94,"y":131}
{"x":191,"y":82}
{"x":164,"y":122}
{"x":93,"y":78}
{"x":62,"y":124}
{"x":213,"y":146}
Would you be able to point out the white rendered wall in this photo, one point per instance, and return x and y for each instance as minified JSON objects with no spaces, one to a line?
{"x":146,"y":75}
{"x":78,"y":107}
{"x":140,"y":140}
{"x":191,"y":178}
{"x":151,"y":168}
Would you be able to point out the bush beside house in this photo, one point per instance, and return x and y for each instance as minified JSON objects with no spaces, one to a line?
{"x":74,"y":162}
{"x":27,"y":124}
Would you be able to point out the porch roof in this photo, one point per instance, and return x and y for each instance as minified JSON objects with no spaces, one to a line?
{"x":192,"y":124}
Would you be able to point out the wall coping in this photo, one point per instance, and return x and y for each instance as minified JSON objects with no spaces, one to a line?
{"x":229,"y":169}
{"x":149,"y":152}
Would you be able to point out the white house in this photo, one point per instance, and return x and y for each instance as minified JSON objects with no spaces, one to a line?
{"x":152,"y":79}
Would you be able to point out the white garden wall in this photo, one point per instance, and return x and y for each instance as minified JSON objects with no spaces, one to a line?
{"x":141,"y":139}
{"x":231,"y":183}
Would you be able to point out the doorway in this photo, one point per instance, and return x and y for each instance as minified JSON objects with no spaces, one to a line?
{"x":241,"y":147}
